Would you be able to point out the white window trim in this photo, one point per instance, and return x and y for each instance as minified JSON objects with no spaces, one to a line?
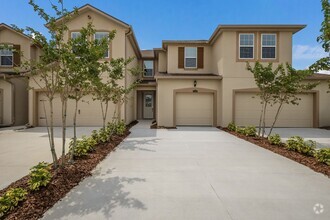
{"x":152,"y":69}
{"x":12,"y":57}
{"x":104,"y":32}
{"x":239,"y":46}
{"x":275,"y":46}
{"x":74,"y":32}
{"x":185,"y":57}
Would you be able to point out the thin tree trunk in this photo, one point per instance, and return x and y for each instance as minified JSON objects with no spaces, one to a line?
{"x":74,"y":131}
{"x":264,"y":121}
{"x":276,"y":117}
{"x":260,"y":120}
{"x":64,"y":110}
{"x":52,"y":144}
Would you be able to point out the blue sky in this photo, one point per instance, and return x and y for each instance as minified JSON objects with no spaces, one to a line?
{"x":157,"y":20}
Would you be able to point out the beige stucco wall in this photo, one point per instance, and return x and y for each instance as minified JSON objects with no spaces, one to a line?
{"x":130,"y":105}
{"x":324,"y":103}
{"x":162,"y":61}
{"x":21,"y":100}
{"x":165,"y":97}
{"x":172,"y":59}
{"x":7,"y":102}
{"x":10,"y":37}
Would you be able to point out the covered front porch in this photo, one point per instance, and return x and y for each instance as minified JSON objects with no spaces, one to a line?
{"x":146,"y":102}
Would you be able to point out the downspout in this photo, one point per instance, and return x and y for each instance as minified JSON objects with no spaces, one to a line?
{"x":12,"y":100}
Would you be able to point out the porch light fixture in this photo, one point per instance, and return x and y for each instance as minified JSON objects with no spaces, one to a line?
{"x":195,"y":83}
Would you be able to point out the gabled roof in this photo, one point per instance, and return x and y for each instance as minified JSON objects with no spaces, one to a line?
{"x":130,"y":32}
{"x":92,"y":8}
{"x":5,"y":26}
{"x":265,"y":27}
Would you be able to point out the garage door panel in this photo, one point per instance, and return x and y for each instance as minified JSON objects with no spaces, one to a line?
{"x":248,"y":110}
{"x":89,"y":111}
{"x":194,"y":109}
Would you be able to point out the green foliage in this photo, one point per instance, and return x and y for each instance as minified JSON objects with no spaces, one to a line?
{"x":11,"y":199}
{"x":323,"y":155}
{"x":231,"y":126}
{"x":240,"y":130}
{"x":83,"y":146}
{"x":120,"y":128}
{"x":39,"y":176}
{"x":298,"y":144}
{"x":103,"y":135}
{"x":275,"y":139}
{"x":324,"y":38}
{"x":250,"y":131}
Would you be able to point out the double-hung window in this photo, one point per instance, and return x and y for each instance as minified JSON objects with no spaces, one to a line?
{"x":268,"y":46}
{"x":246,"y":46}
{"x":190,"y":60}
{"x":6,"y":56}
{"x":148,"y":67}
{"x":75,"y":35}
{"x":103,"y":35}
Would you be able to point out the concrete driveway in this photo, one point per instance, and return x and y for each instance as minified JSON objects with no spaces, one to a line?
{"x":22,"y":149}
{"x":321,"y":136}
{"x":195,"y":173}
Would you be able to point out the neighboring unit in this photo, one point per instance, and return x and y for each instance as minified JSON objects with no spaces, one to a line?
{"x":196,"y":82}
{"x":15,"y":48}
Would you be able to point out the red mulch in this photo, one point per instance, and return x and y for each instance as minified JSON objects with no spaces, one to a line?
{"x":310,"y":162}
{"x":64,"y":179}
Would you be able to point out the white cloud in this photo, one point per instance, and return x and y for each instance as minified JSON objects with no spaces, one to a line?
{"x":307,"y":52}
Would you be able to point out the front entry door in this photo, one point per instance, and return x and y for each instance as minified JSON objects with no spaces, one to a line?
{"x":148,"y":105}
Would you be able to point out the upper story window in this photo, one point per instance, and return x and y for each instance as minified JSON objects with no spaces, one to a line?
{"x":246,"y":46}
{"x":268,"y":46}
{"x":190,"y":59}
{"x":75,"y":35}
{"x":148,"y":68}
{"x":6,"y":56}
{"x":100,"y":36}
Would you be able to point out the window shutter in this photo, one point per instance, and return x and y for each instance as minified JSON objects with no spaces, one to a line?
{"x":17,"y":55}
{"x":181,"y":58}
{"x":200,"y":57}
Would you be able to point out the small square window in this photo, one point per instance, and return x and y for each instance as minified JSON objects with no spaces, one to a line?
{"x":148,"y":67}
{"x":6,"y":55}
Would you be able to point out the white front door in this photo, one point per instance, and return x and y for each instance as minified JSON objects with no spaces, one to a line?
{"x":148,"y":105}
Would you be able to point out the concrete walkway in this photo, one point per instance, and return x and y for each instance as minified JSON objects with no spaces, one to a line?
{"x":195,"y":173}
{"x":22,"y":149}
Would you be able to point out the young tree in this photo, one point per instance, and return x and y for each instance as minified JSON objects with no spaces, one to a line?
{"x":50,"y":64}
{"x":84,"y":67}
{"x":265,"y":80}
{"x":288,"y":84}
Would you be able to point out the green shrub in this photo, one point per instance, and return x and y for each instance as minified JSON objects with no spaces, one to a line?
{"x":39,"y":176}
{"x":308,"y":148}
{"x":120,"y":128}
{"x":83,"y":146}
{"x":231,"y":126}
{"x":103,"y":135}
{"x":323,"y":155}
{"x":298,"y":144}
{"x":250,"y":131}
{"x":95,"y":136}
{"x":275,"y":139}
{"x":240,"y":130}
{"x":294,"y":143}
{"x":11,"y":199}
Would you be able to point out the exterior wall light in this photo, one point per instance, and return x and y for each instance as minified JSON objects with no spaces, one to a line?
{"x":195,"y":83}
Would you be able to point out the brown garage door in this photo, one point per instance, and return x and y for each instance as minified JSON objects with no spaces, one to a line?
{"x":194,"y":109}
{"x":248,"y":107}
{"x":89,"y":112}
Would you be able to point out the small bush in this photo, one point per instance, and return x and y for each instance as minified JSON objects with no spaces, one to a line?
{"x":308,"y":148}
{"x":120,"y":128}
{"x":294,"y":143}
{"x":250,"y":131}
{"x":11,"y":199}
{"x":323,"y":155}
{"x":83,"y":146}
{"x":39,"y":176}
{"x":95,"y":136}
{"x":298,"y":144}
{"x":275,"y":139}
{"x":231,"y":126}
{"x":103,"y":135}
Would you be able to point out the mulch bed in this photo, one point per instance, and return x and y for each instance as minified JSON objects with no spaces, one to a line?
{"x":310,"y":162}
{"x":64,"y":179}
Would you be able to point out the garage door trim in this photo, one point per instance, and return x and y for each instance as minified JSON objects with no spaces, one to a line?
{"x":196,"y":90}
{"x":316,"y":102}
